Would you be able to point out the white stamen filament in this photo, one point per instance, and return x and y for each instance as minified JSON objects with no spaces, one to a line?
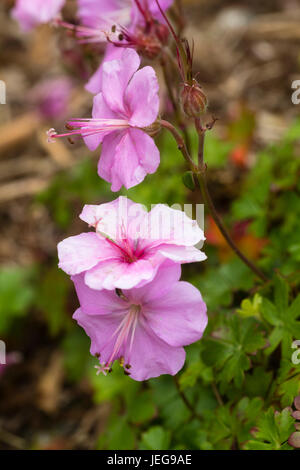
{"x":127,"y":326}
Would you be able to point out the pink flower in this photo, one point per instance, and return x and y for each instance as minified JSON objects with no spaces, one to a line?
{"x":135,"y":21}
{"x":128,"y":103}
{"x":145,"y":328}
{"x":129,"y":244}
{"x":30,"y":13}
{"x":51,"y":97}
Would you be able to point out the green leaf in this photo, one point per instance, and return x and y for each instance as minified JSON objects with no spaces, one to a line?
{"x":274,"y":429}
{"x":282,"y":317}
{"x":281,"y":295}
{"x":193,"y":372}
{"x":76,"y":353}
{"x":230,"y":351}
{"x":141,"y":408}
{"x":52,"y":300}
{"x":16,"y":295}
{"x":118,"y":436}
{"x":115,"y":384}
{"x":251,"y":308}
{"x":156,"y":438}
{"x":269,"y":312}
{"x":257,"y":384}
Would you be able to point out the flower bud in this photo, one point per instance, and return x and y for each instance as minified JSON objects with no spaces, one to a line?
{"x":193,"y":99}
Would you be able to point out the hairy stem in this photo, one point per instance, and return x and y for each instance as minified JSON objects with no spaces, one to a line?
{"x":217,"y":394}
{"x":165,"y":60}
{"x":201,"y":135}
{"x":186,"y":401}
{"x":218,"y":221}
{"x":200,"y":173}
{"x":180,"y":143}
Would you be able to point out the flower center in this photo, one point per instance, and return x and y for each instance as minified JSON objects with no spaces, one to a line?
{"x":89,"y":127}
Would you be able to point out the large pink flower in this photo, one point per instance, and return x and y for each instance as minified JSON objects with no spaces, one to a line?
{"x":128,"y":103}
{"x":97,"y":17}
{"x":129,"y":244}
{"x":146,"y":328}
{"x":30,"y":13}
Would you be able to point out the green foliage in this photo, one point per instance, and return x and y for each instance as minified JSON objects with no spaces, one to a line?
{"x":75,"y":346}
{"x":230,"y":351}
{"x":274,"y":429}
{"x":54,"y":306}
{"x":16,"y":295}
{"x":251,"y":307}
{"x":156,"y":438}
{"x":283,"y":317}
{"x":238,"y":380}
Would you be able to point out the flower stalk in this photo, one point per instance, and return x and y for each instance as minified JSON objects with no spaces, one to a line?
{"x":199,"y":171}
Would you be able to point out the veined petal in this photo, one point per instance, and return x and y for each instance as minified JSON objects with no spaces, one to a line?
{"x":107,"y":159}
{"x":115,"y":78}
{"x":101,"y":330}
{"x":117,"y":219}
{"x":127,"y":157}
{"x":104,"y":14}
{"x":167,"y":275}
{"x":97,"y":302}
{"x":172,"y":226}
{"x":181,"y":254}
{"x":114,"y":274}
{"x":30,"y":13}
{"x":149,"y":356}
{"x":141,"y":97}
{"x":179,"y":317}
{"x":94,"y":84}
{"x":81,"y":252}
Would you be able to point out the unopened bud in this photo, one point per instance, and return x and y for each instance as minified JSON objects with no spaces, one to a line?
{"x":193,"y":99}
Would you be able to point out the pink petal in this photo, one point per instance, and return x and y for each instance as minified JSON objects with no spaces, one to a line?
{"x":167,"y":275}
{"x":103,"y":14}
{"x":94,"y":84}
{"x":151,"y":357}
{"x":127,"y":157}
{"x":173,"y":226}
{"x":97,"y":302}
{"x":100,"y":329}
{"x":82,"y":252}
{"x":118,"y":219}
{"x":138,"y":19}
{"x":182,"y":254}
{"x":178,"y":317}
{"x":29,"y":13}
{"x":114,"y":274}
{"x":107,"y":159}
{"x":115,"y":78}
{"x":142,"y":99}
